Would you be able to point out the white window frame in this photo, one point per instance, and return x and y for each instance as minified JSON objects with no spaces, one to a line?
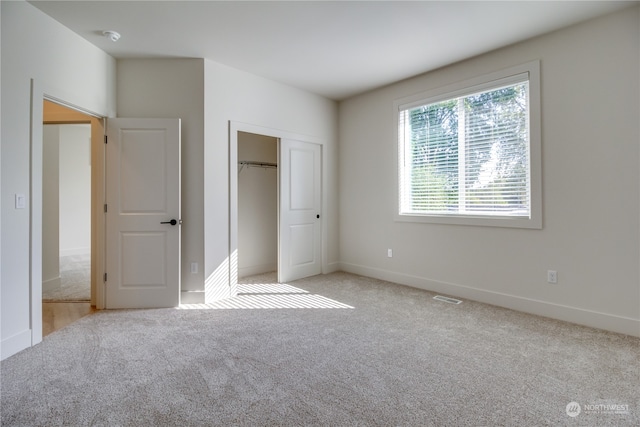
{"x":467,"y":87}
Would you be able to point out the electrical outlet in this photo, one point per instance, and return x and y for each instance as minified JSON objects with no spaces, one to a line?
{"x":552,"y":276}
{"x":390,"y":253}
{"x":194,"y":268}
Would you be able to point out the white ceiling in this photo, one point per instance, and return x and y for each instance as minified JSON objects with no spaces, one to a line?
{"x":335,"y":49}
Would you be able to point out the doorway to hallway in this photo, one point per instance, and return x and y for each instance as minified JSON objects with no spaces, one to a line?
{"x":66,"y":222}
{"x":71,"y":141}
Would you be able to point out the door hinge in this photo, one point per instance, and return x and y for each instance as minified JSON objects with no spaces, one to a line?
{"x":105,"y":208}
{"x":105,"y":277}
{"x":105,"y":139}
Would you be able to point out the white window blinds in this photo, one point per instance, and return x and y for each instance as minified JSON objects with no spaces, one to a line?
{"x":467,"y":154}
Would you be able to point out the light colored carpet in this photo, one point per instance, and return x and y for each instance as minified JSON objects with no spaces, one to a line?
{"x":75,"y":280}
{"x":397,"y":358}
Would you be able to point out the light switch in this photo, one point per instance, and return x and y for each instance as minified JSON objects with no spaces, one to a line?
{"x":21,"y":201}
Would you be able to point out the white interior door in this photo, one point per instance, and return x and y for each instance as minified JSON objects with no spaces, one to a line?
{"x":300,"y":232}
{"x":143,"y":213}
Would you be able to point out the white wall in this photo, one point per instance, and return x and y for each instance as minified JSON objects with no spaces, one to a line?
{"x":50,"y":207}
{"x":233,"y":95}
{"x":67,"y":67}
{"x":590,"y":139}
{"x":174,"y":88}
{"x":75,"y":189}
{"x":257,"y":206}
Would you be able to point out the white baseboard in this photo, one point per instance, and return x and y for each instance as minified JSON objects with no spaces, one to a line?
{"x":51,"y":284}
{"x":192,"y":297}
{"x":256,"y":269}
{"x":259,"y":269}
{"x":594,"y":319}
{"x":14,"y":344}
{"x":331,"y":267}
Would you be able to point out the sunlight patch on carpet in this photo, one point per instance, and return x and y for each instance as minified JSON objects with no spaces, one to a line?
{"x":268,"y":296}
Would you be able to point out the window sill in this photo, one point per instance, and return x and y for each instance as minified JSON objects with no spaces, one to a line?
{"x":480,"y":220}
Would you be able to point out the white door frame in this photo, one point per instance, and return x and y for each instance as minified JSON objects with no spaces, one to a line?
{"x":234,"y":128}
{"x":38,"y":95}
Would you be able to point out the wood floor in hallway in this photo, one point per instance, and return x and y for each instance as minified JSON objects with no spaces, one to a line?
{"x":57,"y":315}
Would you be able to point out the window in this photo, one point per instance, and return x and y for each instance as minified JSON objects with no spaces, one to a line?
{"x":470,"y":153}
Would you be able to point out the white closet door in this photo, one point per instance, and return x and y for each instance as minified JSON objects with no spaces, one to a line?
{"x":300,"y":234}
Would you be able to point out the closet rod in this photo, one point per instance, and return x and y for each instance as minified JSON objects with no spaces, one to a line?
{"x":251,"y":163}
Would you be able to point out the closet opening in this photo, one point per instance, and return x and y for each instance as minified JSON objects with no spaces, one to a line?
{"x":257,"y":206}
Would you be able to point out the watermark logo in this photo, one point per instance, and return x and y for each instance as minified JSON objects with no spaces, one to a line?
{"x":611,"y":409}
{"x":573,"y":409}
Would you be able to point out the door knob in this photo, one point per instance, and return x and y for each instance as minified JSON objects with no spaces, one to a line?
{"x":172,"y":222}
